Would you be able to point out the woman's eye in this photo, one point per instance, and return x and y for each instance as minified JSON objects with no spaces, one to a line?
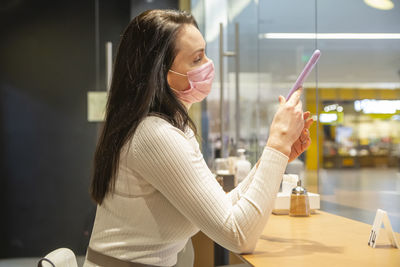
{"x":197,"y":60}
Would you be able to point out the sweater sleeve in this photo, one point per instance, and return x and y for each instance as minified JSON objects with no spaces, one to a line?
{"x":163,"y":156}
{"x":242,"y":187}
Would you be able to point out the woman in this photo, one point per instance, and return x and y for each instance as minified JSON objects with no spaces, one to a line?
{"x":153,"y":189}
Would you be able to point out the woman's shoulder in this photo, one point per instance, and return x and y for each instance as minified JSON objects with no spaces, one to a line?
{"x":154,"y":123}
{"x":157,"y":127}
{"x":157,"y":134}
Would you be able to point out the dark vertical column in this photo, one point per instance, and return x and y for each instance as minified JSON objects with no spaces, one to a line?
{"x":47,"y":65}
{"x":221,"y":255}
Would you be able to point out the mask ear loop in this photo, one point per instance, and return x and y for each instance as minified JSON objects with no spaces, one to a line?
{"x":178,"y":73}
{"x":173,"y":89}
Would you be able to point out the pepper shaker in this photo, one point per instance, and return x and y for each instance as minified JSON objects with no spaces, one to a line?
{"x":299,"y":203}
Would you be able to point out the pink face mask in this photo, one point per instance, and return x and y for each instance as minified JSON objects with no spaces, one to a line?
{"x":200,"y":81}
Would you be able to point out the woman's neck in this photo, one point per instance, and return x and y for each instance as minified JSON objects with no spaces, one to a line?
{"x":187,"y":105}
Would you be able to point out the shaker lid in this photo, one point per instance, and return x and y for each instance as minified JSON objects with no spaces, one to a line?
{"x":299,"y":190}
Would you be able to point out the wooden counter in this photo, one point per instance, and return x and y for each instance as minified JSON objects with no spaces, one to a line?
{"x":322,"y":239}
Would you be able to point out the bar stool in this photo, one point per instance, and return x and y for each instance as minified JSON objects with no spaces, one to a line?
{"x":62,"y":257}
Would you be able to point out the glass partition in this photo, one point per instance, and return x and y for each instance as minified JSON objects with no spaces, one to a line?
{"x":354,"y":157}
{"x":359,"y":82}
{"x":282,"y":58}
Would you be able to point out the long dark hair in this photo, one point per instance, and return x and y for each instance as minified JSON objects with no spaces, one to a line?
{"x":139,"y":88}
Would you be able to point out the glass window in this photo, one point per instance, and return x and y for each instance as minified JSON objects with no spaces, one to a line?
{"x":353,"y":161}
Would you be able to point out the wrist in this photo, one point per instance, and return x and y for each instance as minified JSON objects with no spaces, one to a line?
{"x":277,"y":144}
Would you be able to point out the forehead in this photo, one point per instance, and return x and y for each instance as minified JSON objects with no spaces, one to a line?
{"x":190,"y":39}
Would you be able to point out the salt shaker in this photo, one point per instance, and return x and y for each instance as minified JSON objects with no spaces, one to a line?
{"x":299,"y":203}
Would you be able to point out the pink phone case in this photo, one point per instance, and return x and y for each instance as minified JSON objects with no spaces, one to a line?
{"x":303,"y":76}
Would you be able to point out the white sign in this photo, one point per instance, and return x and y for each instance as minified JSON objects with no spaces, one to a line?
{"x":381,"y":216}
{"x":96,"y":105}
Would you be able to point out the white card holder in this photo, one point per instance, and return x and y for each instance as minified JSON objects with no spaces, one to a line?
{"x":382,"y":217}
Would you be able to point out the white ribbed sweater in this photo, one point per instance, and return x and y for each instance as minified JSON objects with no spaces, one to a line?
{"x":165,"y":193}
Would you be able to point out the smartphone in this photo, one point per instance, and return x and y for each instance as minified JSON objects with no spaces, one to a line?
{"x":303,"y":75}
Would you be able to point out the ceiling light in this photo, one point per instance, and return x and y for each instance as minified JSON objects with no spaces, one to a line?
{"x":281,"y":35}
{"x":380,"y":4}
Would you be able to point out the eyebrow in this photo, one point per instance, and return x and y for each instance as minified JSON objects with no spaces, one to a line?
{"x":199,"y":50}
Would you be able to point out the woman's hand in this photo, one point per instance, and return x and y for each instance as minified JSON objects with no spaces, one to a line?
{"x":304,"y":141}
{"x":287,"y":124}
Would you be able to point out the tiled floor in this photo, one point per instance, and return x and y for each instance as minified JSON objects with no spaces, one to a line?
{"x":355,"y":194}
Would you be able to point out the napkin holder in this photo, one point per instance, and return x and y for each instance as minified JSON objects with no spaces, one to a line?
{"x":282,"y":201}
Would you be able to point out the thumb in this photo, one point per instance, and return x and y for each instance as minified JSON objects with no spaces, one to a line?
{"x":282,"y":100}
